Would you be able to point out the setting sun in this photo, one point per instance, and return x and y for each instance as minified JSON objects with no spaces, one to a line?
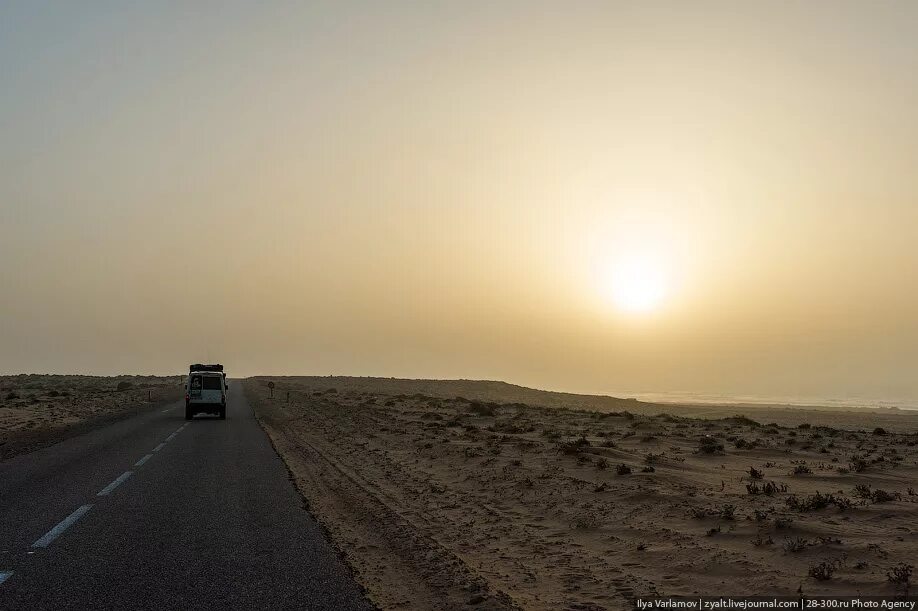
{"x":637,"y":284}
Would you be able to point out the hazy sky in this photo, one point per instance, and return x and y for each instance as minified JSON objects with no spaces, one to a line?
{"x":464,"y":189}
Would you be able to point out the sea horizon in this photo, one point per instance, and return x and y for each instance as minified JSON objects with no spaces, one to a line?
{"x":684,"y":397}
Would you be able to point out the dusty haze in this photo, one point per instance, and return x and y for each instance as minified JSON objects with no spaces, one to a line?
{"x":438,"y":190}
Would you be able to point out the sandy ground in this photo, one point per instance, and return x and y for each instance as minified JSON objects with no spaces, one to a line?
{"x":457,"y":494}
{"x":38,"y":410}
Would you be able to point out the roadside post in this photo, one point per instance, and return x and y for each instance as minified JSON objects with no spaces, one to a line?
{"x":271,"y":386}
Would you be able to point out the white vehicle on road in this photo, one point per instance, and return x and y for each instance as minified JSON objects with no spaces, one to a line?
{"x":205,"y":392}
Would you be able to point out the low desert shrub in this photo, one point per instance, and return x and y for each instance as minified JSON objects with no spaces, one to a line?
{"x":881,"y":496}
{"x":573,"y":447}
{"x":472,"y":452}
{"x":792,"y":545}
{"x":816,"y":502}
{"x":824,"y":570}
{"x":843,"y":503}
{"x":482,"y":409}
{"x":770,"y":488}
{"x":900,"y":575}
{"x":760,"y":541}
{"x":877,"y":496}
{"x":767,"y":488}
{"x":710,"y":445}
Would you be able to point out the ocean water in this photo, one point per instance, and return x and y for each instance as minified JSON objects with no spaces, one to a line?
{"x":712,"y":399}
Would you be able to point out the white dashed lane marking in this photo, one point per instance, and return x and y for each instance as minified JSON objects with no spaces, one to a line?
{"x":118,"y":481}
{"x":66,"y":523}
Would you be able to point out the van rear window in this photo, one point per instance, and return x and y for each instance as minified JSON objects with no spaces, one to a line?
{"x":213,"y":383}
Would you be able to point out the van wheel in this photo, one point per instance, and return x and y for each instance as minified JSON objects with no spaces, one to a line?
{"x":189,"y":414}
{"x":223,"y":414}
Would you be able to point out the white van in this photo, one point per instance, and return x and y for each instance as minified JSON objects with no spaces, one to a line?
{"x":205,"y":392}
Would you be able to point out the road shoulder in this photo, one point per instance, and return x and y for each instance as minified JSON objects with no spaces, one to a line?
{"x":396,"y":562}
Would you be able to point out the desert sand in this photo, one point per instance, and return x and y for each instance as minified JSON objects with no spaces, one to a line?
{"x":38,"y":410}
{"x":482,"y":494}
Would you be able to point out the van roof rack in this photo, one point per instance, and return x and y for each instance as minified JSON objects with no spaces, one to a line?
{"x":200,"y":367}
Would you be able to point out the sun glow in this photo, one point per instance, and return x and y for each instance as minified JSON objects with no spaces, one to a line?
{"x":637,"y":284}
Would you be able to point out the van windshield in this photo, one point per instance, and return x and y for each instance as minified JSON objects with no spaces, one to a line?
{"x":213,"y":383}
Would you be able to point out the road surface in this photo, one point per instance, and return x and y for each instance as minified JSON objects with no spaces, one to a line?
{"x":158,"y":513}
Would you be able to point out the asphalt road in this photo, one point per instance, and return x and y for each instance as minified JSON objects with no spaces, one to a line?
{"x":156,"y":513}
